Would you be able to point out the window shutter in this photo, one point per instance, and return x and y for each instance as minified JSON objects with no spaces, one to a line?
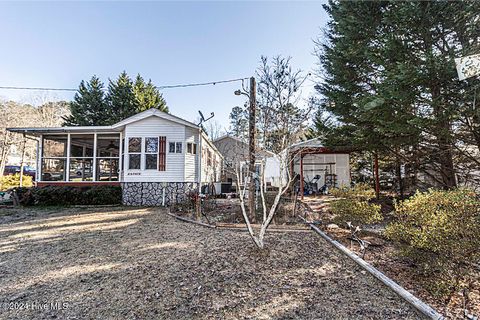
{"x":161,"y":153}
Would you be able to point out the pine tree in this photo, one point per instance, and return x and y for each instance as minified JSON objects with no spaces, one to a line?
{"x":88,"y":106}
{"x":148,"y":96}
{"x":238,"y":122}
{"x":121,"y":98}
{"x":390,"y":78}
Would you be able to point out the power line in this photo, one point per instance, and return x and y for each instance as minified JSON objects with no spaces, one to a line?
{"x":32,"y":88}
{"x":158,"y":87}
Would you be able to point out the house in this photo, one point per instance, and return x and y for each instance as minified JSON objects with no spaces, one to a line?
{"x":315,"y":165}
{"x":156,"y":157}
{"x":235,"y":152}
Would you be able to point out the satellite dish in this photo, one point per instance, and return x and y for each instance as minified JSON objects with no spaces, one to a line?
{"x":201,"y":115}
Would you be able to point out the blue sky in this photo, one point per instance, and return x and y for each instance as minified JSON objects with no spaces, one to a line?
{"x":57,"y":44}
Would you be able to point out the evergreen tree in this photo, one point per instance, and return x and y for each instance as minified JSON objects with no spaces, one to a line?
{"x":390,"y":79}
{"x":88,"y":106}
{"x":148,"y":96}
{"x":121,"y":98}
{"x":238,"y":122}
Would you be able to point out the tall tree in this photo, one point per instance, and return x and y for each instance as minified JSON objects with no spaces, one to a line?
{"x":121,"y":98}
{"x":238,"y":122}
{"x":148,"y":96}
{"x":390,"y":79}
{"x":88,"y":106}
{"x":280,"y":113}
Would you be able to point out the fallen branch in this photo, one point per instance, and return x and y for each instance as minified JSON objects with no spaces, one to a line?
{"x":407,"y":296}
{"x":191,"y":221}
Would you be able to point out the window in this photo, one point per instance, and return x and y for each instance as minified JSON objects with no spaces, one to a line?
{"x":134,"y":161}
{"x":108,"y":150}
{"x":53,"y":169}
{"x":81,"y":157}
{"x":175,"y":147}
{"x":54,"y":157}
{"x":107,"y":169}
{"x":151,"y":156}
{"x":191,"y":148}
{"x":61,"y":161}
{"x":55,"y":146}
{"x":134,"y":153}
{"x":81,"y":169}
{"x":135,"y":145}
{"x":151,"y":145}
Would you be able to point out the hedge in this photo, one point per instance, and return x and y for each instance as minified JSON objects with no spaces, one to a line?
{"x":67,"y":195}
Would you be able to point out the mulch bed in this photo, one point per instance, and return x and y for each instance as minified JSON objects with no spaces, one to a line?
{"x":383,"y":255}
{"x":126,"y":263}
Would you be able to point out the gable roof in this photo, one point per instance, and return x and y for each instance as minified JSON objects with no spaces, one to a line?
{"x":227,"y":136}
{"x":154,"y":112}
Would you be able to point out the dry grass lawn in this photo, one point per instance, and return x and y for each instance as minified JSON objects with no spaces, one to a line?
{"x":126,"y":263}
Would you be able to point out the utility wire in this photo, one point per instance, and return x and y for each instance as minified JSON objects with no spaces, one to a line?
{"x":158,"y":87}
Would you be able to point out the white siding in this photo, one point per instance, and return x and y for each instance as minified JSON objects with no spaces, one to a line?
{"x":175,"y":162}
{"x":210,"y":171}
{"x":191,"y":160}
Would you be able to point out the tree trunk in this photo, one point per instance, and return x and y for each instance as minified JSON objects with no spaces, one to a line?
{"x":377,"y":177}
{"x":398,"y":171}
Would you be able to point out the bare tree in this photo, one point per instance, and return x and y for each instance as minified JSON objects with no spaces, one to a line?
{"x":13,"y":114}
{"x":214,"y":129}
{"x":281,"y":122}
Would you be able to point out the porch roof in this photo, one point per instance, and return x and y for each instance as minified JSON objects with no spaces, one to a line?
{"x":37,"y":131}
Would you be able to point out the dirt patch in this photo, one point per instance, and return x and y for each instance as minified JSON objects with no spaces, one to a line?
{"x":143,"y":264}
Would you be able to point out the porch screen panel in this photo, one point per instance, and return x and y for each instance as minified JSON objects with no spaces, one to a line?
{"x":162,"y":148}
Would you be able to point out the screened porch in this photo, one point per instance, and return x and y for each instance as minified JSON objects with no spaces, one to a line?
{"x":80,"y":157}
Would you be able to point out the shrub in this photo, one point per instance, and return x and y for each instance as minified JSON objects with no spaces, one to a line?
{"x":360,"y":191}
{"x":440,"y":232}
{"x":67,"y":195}
{"x":355,"y":211}
{"x":13,"y":181}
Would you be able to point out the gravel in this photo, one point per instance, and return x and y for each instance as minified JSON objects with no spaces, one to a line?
{"x":139,"y":263}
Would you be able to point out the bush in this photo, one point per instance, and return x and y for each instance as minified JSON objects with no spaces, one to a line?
{"x":360,"y":191}
{"x":355,"y":211}
{"x":67,"y":195}
{"x":354,"y":205}
{"x":13,"y":181}
{"x":440,"y":232}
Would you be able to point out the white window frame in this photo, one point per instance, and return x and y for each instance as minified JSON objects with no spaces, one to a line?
{"x":176,"y":145}
{"x":193,"y":148}
{"x":134,"y":152}
{"x":149,"y":153}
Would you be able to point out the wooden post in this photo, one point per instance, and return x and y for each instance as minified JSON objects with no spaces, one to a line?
{"x":251,"y":149}
{"x":377,"y":178}
{"x":301,"y":175}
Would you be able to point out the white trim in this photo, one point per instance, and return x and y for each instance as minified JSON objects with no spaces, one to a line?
{"x":94,"y":157}
{"x":153,"y":112}
{"x":120,"y":157}
{"x":38,"y":171}
{"x":67,"y":165}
